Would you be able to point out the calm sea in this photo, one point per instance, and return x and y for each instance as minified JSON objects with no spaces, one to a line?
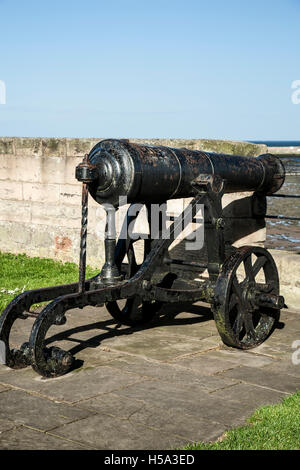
{"x":284,"y":233}
{"x":277,"y":143}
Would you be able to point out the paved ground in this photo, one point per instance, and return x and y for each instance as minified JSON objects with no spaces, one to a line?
{"x":160,"y":387}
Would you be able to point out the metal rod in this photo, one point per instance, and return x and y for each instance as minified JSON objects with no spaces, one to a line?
{"x":83,"y":237}
{"x":285,"y":195}
{"x":281,"y":217}
{"x":194,"y":219}
{"x":185,"y":263}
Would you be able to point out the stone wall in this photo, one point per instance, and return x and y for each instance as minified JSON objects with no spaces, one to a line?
{"x":40,"y":199}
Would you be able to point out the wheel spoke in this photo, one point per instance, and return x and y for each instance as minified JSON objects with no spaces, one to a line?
{"x":237,"y":289}
{"x":246,"y":317}
{"x":248,"y":322}
{"x":238,"y":323}
{"x":248,"y":268}
{"x":259,"y":263}
{"x":233,"y":301}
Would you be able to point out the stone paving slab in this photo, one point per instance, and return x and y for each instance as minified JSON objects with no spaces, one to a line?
{"x":172,"y":373}
{"x":3,"y":388}
{"x":24,"y":438}
{"x":279,"y":381}
{"x":287,"y":366}
{"x":159,"y":346}
{"x":180,"y":424}
{"x":34,"y":411}
{"x":183,"y":425}
{"x":186,"y":327}
{"x":179,"y":398}
{"x":251,"y":395}
{"x":155,"y":387}
{"x":167,"y":420}
{"x":219,"y":360}
{"x":74,"y":386}
{"x":275,"y":351}
{"x":291,"y":327}
{"x":106,"y":432}
{"x":6,"y":425}
{"x":249,"y":358}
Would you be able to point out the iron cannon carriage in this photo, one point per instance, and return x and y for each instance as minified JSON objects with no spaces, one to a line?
{"x":245,"y":307}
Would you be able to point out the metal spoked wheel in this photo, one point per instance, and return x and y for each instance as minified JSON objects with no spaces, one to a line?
{"x":247,"y":301}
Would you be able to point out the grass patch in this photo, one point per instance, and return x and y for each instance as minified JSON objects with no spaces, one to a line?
{"x":274,"y":427}
{"x":19,"y":273}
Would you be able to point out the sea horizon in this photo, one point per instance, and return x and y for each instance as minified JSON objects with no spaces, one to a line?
{"x":277,"y":143}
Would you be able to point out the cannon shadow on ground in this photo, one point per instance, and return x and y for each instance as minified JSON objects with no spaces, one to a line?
{"x":166,"y":316}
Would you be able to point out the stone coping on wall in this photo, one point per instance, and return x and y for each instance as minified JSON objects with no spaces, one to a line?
{"x":64,"y":147}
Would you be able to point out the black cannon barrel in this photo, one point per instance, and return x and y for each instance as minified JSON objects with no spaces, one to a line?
{"x":151,"y":174}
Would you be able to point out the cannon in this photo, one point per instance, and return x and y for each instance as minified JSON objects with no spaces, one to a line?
{"x":245,"y":306}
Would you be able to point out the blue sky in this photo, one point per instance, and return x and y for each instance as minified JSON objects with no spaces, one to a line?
{"x":167,"y":68}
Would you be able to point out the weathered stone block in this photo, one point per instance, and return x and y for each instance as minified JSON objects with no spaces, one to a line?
{"x":229,"y":147}
{"x":21,"y":233}
{"x":54,"y":147}
{"x":79,"y":147}
{"x":53,"y":170}
{"x":44,"y":214}
{"x":41,"y":192}
{"x":28,"y":147}
{"x":4,"y":167}
{"x":42,"y":238}
{"x":6,"y":145}
{"x":70,"y":216}
{"x":22,"y":168}
{"x":14,"y":237}
{"x":15,"y":211}
{"x":11,"y":190}
{"x":70,"y":194}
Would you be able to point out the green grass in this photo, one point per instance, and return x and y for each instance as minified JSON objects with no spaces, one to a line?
{"x":274,"y":427}
{"x":19,"y":273}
